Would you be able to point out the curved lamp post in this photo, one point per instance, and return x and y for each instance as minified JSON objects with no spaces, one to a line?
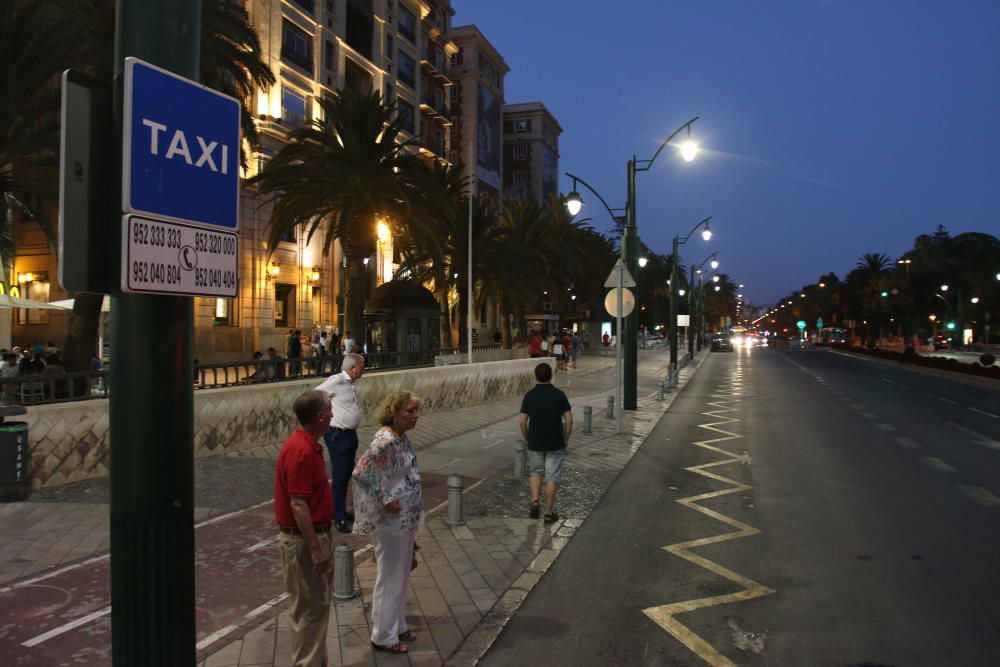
{"x":714,"y":264}
{"x":630,"y":249}
{"x":705,"y":234}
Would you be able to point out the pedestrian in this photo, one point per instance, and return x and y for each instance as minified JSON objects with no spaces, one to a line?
{"x":546,"y":422}
{"x":275,"y":369}
{"x":606,"y":341}
{"x":303,"y":509}
{"x":497,"y":337}
{"x":294,"y":352}
{"x":559,"y":352}
{"x":577,"y":347}
{"x":567,"y":342}
{"x":348,"y":342}
{"x":342,"y":436}
{"x":544,"y":346}
{"x":390,"y":507}
{"x":534,"y":345}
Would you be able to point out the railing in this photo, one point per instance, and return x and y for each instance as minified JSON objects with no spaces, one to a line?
{"x":41,"y":388}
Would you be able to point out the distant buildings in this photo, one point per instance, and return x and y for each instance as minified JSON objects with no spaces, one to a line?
{"x":530,"y":151}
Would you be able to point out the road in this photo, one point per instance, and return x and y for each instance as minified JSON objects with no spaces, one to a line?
{"x":794,"y":507}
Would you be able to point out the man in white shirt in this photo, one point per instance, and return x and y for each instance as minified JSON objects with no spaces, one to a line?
{"x":348,"y":343}
{"x":342,"y":436}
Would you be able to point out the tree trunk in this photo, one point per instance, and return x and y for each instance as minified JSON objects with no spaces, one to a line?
{"x":354,"y":299}
{"x":444,"y":309}
{"x":81,"y":338}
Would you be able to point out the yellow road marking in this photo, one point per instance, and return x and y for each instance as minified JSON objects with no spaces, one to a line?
{"x":665,"y":615}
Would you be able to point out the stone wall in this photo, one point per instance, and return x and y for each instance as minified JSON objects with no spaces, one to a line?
{"x":69,"y":442}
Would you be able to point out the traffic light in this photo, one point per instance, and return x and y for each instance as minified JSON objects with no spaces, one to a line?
{"x":884,"y":294}
{"x":950,"y":325}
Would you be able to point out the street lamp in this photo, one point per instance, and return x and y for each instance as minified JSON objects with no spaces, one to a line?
{"x":714,"y":263}
{"x":643,"y":262}
{"x":630,"y":251}
{"x":673,"y":288}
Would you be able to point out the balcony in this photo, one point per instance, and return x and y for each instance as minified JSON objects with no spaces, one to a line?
{"x":434,"y":62}
{"x":436,"y":108}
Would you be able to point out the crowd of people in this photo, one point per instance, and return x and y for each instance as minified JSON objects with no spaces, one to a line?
{"x":36,"y":364}
{"x":564,"y":345}
{"x":388,"y":506}
{"x":314,"y":351}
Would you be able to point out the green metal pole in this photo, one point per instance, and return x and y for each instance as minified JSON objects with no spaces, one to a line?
{"x":151,"y":405}
{"x":691,"y":315}
{"x":674,"y":297}
{"x":628,"y":338}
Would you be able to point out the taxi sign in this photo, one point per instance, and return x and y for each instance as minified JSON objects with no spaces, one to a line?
{"x":180,"y":149}
{"x":163,"y":257}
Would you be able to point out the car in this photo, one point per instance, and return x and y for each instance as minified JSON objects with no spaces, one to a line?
{"x":941,"y":342}
{"x":722,"y":343}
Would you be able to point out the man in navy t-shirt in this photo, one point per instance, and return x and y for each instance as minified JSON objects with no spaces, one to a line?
{"x":546,"y":423}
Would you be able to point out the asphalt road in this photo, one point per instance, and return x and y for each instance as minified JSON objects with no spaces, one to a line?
{"x":794,"y":507}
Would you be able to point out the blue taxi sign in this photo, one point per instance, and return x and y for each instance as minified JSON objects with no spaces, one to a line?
{"x":180,"y":149}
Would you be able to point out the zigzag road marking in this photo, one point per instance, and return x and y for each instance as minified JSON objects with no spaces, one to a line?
{"x":666,"y":615}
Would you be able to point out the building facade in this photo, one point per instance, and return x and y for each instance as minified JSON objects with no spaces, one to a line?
{"x":530,"y":152}
{"x":397,"y":47}
{"x":477,"y":72}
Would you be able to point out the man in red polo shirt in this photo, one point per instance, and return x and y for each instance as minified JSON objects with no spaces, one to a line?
{"x":303,"y":508}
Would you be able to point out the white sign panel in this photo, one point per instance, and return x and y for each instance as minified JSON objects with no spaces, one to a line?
{"x":683,"y":320}
{"x":160,"y":257}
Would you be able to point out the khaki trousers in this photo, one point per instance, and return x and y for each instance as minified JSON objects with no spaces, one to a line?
{"x":309,"y":595}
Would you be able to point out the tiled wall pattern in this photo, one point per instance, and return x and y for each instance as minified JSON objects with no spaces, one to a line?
{"x":70,"y":442}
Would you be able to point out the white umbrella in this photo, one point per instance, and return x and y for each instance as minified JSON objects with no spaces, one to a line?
{"x":8,"y":301}
{"x":68,"y":303}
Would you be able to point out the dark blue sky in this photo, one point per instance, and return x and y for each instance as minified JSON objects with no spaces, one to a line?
{"x":833,"y":128}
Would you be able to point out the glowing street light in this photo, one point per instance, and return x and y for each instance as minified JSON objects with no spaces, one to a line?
{"x":714,"y":264}
{"x":574,"y":203}
{"x":643,"y":262}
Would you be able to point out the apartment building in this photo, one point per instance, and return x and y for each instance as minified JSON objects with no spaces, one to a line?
{"x":530,"y":152}
{"x":477,"y":72}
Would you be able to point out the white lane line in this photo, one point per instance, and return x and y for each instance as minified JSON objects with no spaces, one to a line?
{"x":982,"y":496}
{"x":983,"y":412}
{"x":909,"y":443}
{"x":55,"y":632}
{"x":445,"y":465}
{"x":219,"y":634}
{"x":886,"y":427}
{"x":97,"y":559}
{"x":888,"y":380}
{"x":939,"y":465}
{"x":260,"y":545}
{"x":947,"y":400}
{"x":857,"y":406}
{"x":904,"y":386}
{"x":978,"y":438}
{"x":867,"y":415}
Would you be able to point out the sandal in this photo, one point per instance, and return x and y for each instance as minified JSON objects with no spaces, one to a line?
{"x":395,"y":648}
{"x":551,"y":518}
{"x":408,"y":636}
{"x":534,"y":511}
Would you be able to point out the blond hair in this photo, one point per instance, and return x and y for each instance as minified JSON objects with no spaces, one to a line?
{"x":386,"y":411}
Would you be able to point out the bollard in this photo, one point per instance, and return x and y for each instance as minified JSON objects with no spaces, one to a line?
{"x":673,"y":376}
{"x":587,"y":415}
{"x":520,"y":459}
{"x":662,"y":393}
{"x":610,"y":413}
{"x":343,"y":572}
{"x":455,"y":514}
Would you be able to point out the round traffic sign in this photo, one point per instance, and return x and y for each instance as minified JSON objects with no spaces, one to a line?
{"x":611,"y":302}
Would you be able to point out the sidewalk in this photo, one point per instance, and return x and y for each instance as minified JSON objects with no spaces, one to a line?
{"x":469,"y":581}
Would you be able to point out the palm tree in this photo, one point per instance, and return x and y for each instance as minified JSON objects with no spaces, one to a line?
{"x":438,"y":205}
{"x":337,"y":176}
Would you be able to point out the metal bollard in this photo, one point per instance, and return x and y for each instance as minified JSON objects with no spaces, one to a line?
{"x":587,"y":416}
{"x":343,"y":572}
{"x":520,"y":459}
{"x":673,"y":376}
{"x":610,"y":413}
{"x":455,"y":499}
{"x":662,"y":393}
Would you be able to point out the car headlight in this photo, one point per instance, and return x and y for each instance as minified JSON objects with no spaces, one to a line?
{"x":736,"y":340}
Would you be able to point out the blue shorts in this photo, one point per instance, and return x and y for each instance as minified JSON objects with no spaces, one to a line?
{"x":547,"y":463}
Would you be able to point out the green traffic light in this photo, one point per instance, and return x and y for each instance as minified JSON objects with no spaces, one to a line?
{"x":951,"y":325}
{"x":884,"y":294}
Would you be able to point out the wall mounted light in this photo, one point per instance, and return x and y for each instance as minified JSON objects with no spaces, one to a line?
{"x":25,"y":277}
{"x":314,"y":275}
{"x":272,"y":272}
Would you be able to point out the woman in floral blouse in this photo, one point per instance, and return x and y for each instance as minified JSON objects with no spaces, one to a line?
{"x":389,"y":506}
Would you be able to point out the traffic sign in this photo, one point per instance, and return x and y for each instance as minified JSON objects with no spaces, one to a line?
{"x":819,"y":323}
{"x":180,"y":149}
{"x":801,"y":324}
{"x":619,"y":276}
{"x":627,"y":300}
{"x":162,"y":257}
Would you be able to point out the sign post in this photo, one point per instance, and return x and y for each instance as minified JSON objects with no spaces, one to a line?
{"x":179,"y":190}
{"x":619,"y":305}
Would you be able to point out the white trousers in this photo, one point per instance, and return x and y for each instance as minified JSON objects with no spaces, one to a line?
{"x":394,"y":555}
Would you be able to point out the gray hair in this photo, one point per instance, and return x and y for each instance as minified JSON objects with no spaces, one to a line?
{"x":351,"y":359}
